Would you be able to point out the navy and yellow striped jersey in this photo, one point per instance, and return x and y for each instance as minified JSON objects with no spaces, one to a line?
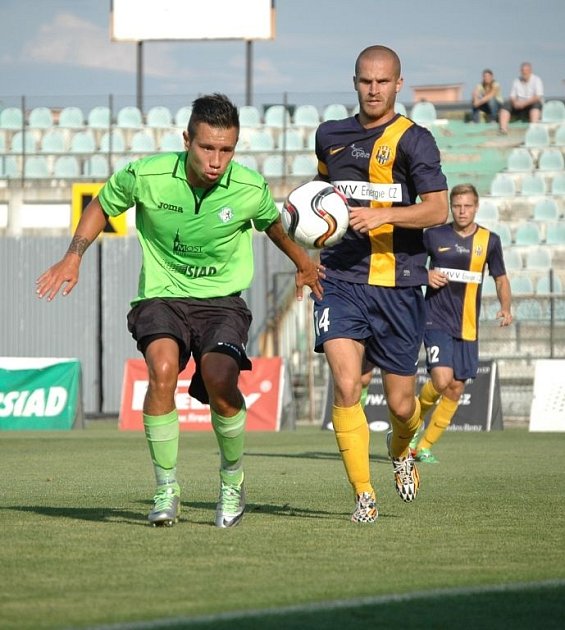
{"x":455,"y":307}
{"x":389,"y":165}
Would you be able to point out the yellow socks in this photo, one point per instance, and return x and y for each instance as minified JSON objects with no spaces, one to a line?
{"x":352,"y":435}
{"x":428,"y":397}
{"x":439,"y":421}
{"x":403,"y":432}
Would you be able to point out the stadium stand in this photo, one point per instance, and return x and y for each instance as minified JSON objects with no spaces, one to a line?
{"x":306,"y":117}
{"x":182,"y":116}
{"x":54,"y":141}
{"x":546,"y":210}
{"x":83,"y":142}
{"x":36,"y":167}
{"x":99,"y":117}
{"x":532,"y":184}
{"x":71,"y":118}
{"x":519,"y":160}
{"x":159,"y":117}
{"x":66,"y":167}
{"x":129,"y":117}
{"x":527,"y":233}
{"x":334,"y":111}
{"x":96,"y":167}
{"x":537,"y":136}
{"x":171,"y":141}
{"x":11,"y":118}
{"x":40,"y":118}
{"x":290,"y":140}
{"x":277,"y":117}
{"x":249,"y":116}
{"x":553,"y":112}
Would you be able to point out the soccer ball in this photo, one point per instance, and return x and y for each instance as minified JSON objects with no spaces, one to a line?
{"x":315,"y":215}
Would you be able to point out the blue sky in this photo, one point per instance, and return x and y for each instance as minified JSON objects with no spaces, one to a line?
{"x":61,"y":48}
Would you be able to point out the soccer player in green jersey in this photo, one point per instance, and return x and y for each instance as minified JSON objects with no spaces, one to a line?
{"x":195,"y":214}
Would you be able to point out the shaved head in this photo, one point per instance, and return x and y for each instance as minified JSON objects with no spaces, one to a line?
{"x":379,"y":52}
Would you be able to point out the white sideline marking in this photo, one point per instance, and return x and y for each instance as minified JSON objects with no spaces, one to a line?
{"x":328,"y":605}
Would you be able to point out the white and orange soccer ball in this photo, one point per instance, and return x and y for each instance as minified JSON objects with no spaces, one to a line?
{"x":315,"y":215}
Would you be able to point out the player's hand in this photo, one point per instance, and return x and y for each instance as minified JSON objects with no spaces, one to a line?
{"x":365,"y":219}
{"x":437,"y":279}
{"x":310,"y":275}
{"x":62,"y":274}
{"x":505,"y":317}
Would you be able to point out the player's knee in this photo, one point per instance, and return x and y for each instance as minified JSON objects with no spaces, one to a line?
{"x":163,"y":375}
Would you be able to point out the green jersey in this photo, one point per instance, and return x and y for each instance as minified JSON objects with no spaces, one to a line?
{"x":195,"y":242}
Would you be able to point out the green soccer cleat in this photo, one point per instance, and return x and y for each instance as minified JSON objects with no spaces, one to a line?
{"x":425,"y":456}
{"x":414,"y":441}
{"x":166,"y":508}
{"x":366,"y":508}
{"x":231,"y":505}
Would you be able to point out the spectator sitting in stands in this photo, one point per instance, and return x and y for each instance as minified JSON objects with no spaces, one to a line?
{"x":487,"y":98}
{"x":526,"y":99}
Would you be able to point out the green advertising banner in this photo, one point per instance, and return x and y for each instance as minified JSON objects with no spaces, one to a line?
{"x":47,"y":397}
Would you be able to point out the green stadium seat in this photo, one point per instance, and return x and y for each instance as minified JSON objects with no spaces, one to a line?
{"x":559,"y":139}
{"x":553,"y":112}
{"x":306,"y":117}
{"x":36,"y":167}
{"x":23,"y":142}
{"x":113,"y":142}
{"x":71,"y":118}
{"x":66,"y":167}
{"x":555,"y":233}
{"x":274,"y":166}
{"x":558,"y":185}
{"x":171,"y":141}
{"x":423,"y":113}
{"x":183,"y":116}
{"x":549,"y":283}
{"x":249,"y":116}
{"x":83,"y":142}
{"x":521,"y":285}
{"x":539,"y":258}
{"x":142,"y":142}
{"x":488,"y":211}
{"x":250,"y":161}
{"x":277,"y":116}
{"x":529,"y":310}
{"x":159,"y":117}
{"x":505,"y":234}
{"x":533,"y":184}
{"x":99,"y":117}
{"x":129,"y":117}
{"x":40,"y":118}
{"x":261,"y":140}
{"x":9,"y":167}
{"x":53,"y":141}
{"x":304,"y":165}
{"x":551,"y":160}
{"x":546,"y":210}
{"x":334,"y":111}
{"x":502,"y":186}
{"x":519,"y":159}
{"x":290,"y":140}
{"x":96,"y":167}
{"x":399,"y":108}
{"x":537,"y":136}
{"x":513,"y":259}
{"x":489,"y":286}
{"x":11,"y":118}
{"x":527,"y":233}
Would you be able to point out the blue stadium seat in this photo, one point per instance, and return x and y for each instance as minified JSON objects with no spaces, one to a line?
{"x":290,"y":140}
{"x":159,"y":117}
{"x":9,"y":167}
{"x":21,"y":138}
{"x":533,"y":185}
{"x":83,"y":142}
{"x":183,"y":116}
{"x":116,"y":139}
{"x":545,"y":210}
{"x":71,"y":118}
{"x":521,"y":285}
{"x":547,"y":284}
{"x":488,"y":211}
{"x":274,"y":166}
{"x":66,"y":167}
{"x":129,"y":117}
{"x":539,"y":258}
{"x":36,"y":167}
{"x":537,"y":136}
{"x":171,"y":141}
{"x":142,"y":142}
{"x":527,"y":233}
{"x":261,"y":140}
{"x":96,"y":167}
{"x":53,"y":141}
{"x":558,"y":185}
{"x":555,"y":233}
{"x":334,"y":111}
{"x":551,"y":160}
{"x":99,"y":117}
{"x":11,"y":118}
{"x":529,"y":310}
{"x":502,"y":186}
{"x":559,"y":139}
{"x":277,"y":116}
{"x":519,"y":159}
{"x":249,"y":116}
{"x":423,"y":113}
{"x":505,"y":233}
{"x":40,"y":118}
{"x":553,"y":112}
{"x":489,"y":286}
{"x":306,"y":117}
{"x":304,"y":165}
{"x":512,"y":259}
{"x":310,"y":143}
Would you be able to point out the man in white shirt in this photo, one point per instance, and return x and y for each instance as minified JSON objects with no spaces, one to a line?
{"x":526,"y":99}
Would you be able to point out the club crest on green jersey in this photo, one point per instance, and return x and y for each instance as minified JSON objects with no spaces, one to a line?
{"x":225,"y":214}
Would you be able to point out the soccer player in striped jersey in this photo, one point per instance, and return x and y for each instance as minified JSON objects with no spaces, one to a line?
{"x":459,"y":251}
{"x":373,"y":303}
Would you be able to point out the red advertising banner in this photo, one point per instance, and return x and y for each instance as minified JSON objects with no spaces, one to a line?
{"x":262,"y":389}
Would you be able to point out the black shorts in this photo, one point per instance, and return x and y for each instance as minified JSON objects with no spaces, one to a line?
{"x":521,"y":115}
{"x":198,"y":326}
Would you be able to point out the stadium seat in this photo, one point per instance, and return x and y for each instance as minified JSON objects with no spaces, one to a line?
{"x":545,"y":210}
{"x":489,"y":286}
{"x":553,"y":112}
{"x":334,"y":111}
{"x":304,"y":165}
{"x":505,"y":234}
{"x":290,"y":140}
{"x":502,"y":186}
{"x":11,"y":118}
{"x":533,"y":184}
{"x":551,"y":160}
{"x":249,"y":116}
{"x":423,"y":113}
{"x":529,"y":310}
{"x":512,"y":259}
{"x":9,"y":167}
{"x":2,"y":142}
{"x":399,"y":108}
{"x":53,"y":141}
{"x":537,"y":136}
{"x":521,"y":285}
{"x":519,"y":159}
{"x":116,"y":139}
{"x":306,"y":117}
{"x":538,"y":258}
{"x":277,"y":116}
{"x":171,"y":141}
{"x":36,"y":166}
{"x":120,"y":162}
{"x":247,"y":160}
{"x":66,"y":167}
{"x":142,"y":142}
{"x":549,"y":283}
{"x":129,"y":117}
{"x":183,"y":116}
{"x":99,"y":117}
{"x":40,"y":118}
{"x":159,"y":117}
{"x":559,"y":139}
{"x":83,"y":142}
{"x":488,"y":211}
{"x":96,"y":167}
{"x":558,"y":185}
{"x":555,"y":233}
{"x":71,"y":118}
{"x":21,"y":145}
{"x":261,"y":140}
{"x":274,"y":166}
{"x":310,"y":143}
{"x":527,"y":233}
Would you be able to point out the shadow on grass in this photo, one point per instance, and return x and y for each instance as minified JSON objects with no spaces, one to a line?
{"x":82,"y":513}
{"x":315,"y":455}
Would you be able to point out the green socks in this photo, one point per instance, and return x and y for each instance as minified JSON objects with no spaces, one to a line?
{"x":230,"y":433}
{"x":162,"y":433}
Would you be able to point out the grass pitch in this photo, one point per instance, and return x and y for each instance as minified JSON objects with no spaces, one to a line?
{"x":482,"y":546}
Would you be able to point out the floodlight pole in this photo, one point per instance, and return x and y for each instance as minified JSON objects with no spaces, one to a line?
{"x":139,"y":99}
{"x":248,"y":72}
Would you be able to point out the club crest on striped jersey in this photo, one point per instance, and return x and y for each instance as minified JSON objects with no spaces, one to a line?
{"x":383,"y":155}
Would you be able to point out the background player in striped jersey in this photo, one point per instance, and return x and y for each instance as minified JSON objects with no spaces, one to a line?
{"x":459,"y":251}
{"x":373,"y":303}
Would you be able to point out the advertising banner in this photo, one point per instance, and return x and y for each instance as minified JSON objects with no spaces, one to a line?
{"x":40,"y":394}
{"x":480,"y":407}
{"x":548,"y":403}
{"x":262,"y":389}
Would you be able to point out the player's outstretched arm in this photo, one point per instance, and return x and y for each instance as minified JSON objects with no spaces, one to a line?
{"x":64,"y":274}
{"x":308,"y":271}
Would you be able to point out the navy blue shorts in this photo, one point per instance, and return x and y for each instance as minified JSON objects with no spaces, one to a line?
{"x":443,"y":350}
{"x":389,"y":321}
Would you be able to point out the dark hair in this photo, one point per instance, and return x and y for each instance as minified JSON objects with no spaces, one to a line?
{"x":215,"y":110}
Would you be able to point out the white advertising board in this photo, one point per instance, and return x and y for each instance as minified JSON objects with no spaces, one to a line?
{"x":548,"y":403}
